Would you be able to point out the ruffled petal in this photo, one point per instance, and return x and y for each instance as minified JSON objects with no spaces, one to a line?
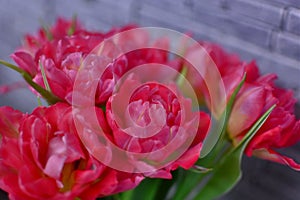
{"x":273,"y":156}
{"x":10,"y":121}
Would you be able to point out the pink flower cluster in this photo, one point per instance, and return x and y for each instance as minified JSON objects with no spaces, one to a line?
{"x":43,"y":150}
{"x":256,"y":96}
{"x":43,"y":157}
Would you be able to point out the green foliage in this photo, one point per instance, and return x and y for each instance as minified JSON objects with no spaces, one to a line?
{"x":47,"y":95}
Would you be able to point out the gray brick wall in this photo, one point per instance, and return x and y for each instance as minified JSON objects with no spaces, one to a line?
{"x":265,"y":30}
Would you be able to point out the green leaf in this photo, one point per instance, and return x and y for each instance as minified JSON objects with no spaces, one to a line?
{"x":200,"y":169}
{"x":182,"y":76}
{"x":213,"y":137}
{"x":147,"y":190}
{"x":11,"y":66}
{"x":44,"y":77}
{"x":187,"y":180}
{"x":218,"y":130}
{"x":39,"y":101}
{"x":127,"y":195}
{"x":46,"y":29}
{"x":48,"y":96}
{"x":228,"y":171}
{"x":213,"y":147}
{"x":72,"y":29}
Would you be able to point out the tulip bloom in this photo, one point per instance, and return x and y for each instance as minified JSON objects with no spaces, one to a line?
{"x":155,"y":116}
{"x":43,"y":158}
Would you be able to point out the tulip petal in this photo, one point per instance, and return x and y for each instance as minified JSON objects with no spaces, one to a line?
{"x":25,"y":61}
{"x":9,"y":122}
{"x":274,"y":156}
{"x":246,"y":110}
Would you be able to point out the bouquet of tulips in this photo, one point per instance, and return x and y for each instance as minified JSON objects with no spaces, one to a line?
{"x":137,"y":113}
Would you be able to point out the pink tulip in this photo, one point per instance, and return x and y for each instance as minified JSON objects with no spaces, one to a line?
{"x":43,"y":158}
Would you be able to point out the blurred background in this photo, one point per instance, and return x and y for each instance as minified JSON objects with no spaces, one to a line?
{"x":267,"y":31}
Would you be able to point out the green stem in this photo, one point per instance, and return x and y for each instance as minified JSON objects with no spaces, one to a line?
{"x":48,"y":96}
{"x":72,"y":29}
{"x":189,"y":180}
{"x":47,"y":86}
{"x":181,"y":77}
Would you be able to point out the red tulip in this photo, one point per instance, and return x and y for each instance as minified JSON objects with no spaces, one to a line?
{"x":43,"y":158}
{"x":63,"y":54}
{"x":257,"y":95}
{"x":280,"y":130}
{"x":145,"y":118}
